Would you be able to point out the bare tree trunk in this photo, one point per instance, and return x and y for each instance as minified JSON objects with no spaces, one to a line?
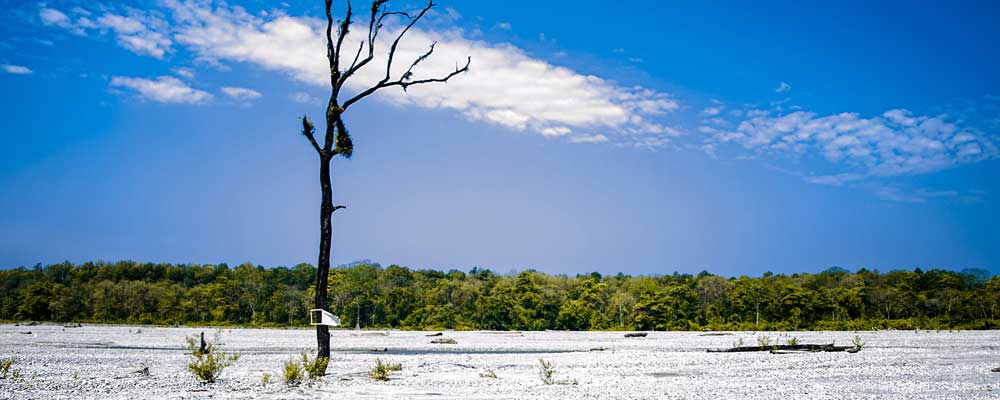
{"x":336,"y":139}
{"x":323,"y":265}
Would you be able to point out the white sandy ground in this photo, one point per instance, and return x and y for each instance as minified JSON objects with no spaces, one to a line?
{"x":99,"y":362}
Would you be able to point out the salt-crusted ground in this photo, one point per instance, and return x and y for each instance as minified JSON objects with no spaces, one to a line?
{"x":99,"y":362}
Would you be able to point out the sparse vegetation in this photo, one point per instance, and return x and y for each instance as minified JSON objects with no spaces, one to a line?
{"x":738,"y":343}
{"x":856,"y":341}
{"x":316,"y":367}
{"x":546,"y":371}
{"x":293,"y":373}
{"x":488,"y":373}
{"x":6,"y":370}
{"x":794,"y":341}
{"x":208,"y":362}
{"x":764,"y":341}
{"x":265,"y":379}
{"x":380,"y":372}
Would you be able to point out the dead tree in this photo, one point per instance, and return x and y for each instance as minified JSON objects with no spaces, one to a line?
{"x":336,"y":140}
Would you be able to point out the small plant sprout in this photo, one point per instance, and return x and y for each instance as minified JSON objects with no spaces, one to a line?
{"x":265,"y":379}
{"x":764,"y":341}
{"x":208,"y":362}
{"x":794,"y":341}
{"x":546,"y":371}
{"x":856,"y":341}
{"x":5,"y":369}
{"x":488,"y":373}
{"x":293,"y":373}
{"x":738,"y":343}
{"x":381,"y":370}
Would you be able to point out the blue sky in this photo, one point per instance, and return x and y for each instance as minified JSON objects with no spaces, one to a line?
{"x":642,"y":137}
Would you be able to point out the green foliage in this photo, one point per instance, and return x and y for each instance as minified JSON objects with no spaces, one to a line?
{"x":488,"y":373}
{"x":764,"y":341}
{"x":371,"y":296}
{"x":265,"y":379}
{"x":316,"y":367}
{"x":343,"y":146}
{"x":5,"y":369}
{"x":380,"y":372}
{"x":293,"y":373}
{"x":546,"y":371}
{"x":856,"y":341}
{"x":207,"y":365}
{"x":794,"y":341}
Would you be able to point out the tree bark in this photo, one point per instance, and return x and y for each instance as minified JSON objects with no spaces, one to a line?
{"x":323,"y":264}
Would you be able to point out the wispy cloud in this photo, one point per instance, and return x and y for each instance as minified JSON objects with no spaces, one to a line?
{"x":303,"y":97}
{"x":139,"y":32}
{"x":16,"y":69}
{"x":598,"y":138}
{"x":184,"y":72}
{"x":895,"y":143}
{"x":164,"y":89}
{"x":902,"y":195}
{"x":504,"y":25}
{"x":782,"y":87}
{"x":239,"y":93}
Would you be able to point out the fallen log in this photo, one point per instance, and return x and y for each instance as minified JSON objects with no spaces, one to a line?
{"x":444,"y":341}
{"x":636,"y":334}
{"x":778,"y":348}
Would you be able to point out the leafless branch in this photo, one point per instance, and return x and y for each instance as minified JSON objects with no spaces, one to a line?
{"x":406,"y":84}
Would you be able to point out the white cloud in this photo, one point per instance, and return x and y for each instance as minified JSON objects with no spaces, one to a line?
{"x":240,"y":93}
{"x":834,"y":180}
{"x":504,"y":25}
{"x":504,"y":85}
{"x":134,"y":34}
{"x":139,"y":32}
{"x":892,"y":144}
{"x":53,"y":17}
{"x":556,"y":131}
{"x":302,"y":97}
{"x":711,"y":111}
{"x":165,"y":89}
{"x":902,"y":195}
{"x":598,"y":138}
{"x":16,"y":69}
{"x":184,"y":72}
{"x":782,"y":87}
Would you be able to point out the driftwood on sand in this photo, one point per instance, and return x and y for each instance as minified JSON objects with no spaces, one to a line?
{"x":789,"y":348}
{"x":636,"y":334}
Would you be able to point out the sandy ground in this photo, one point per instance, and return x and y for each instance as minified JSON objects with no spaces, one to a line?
{"x":99,"y":362}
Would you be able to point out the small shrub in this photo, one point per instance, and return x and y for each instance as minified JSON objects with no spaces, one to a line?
{"x":381,"y":371}
{"x":764,"y":341}
{"x":856,"y":341}
{"x":488,"y":373}
{"x":794,"y":341}
{"x":5,"y":369}
{"x":315,"y":368}
{"x":738,"y":343}
{"x":546,"y":371}
{"x":265,"y":379}
{"x":208,"y":362}
{"x":293,"y":373}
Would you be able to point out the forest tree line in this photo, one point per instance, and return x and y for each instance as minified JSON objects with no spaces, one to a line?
{"x":370,"y":296}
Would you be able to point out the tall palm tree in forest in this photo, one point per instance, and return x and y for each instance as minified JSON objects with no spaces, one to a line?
{"x":336,"y":140}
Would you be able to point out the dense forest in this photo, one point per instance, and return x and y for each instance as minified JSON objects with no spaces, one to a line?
{"x":370,"y":296}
